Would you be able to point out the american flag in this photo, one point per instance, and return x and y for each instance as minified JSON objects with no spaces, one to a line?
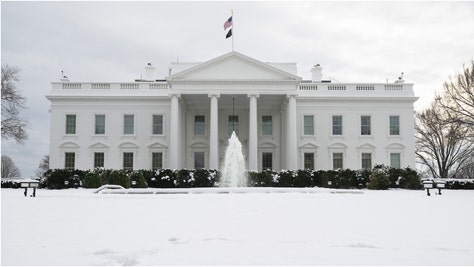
{"x":228,"y":23}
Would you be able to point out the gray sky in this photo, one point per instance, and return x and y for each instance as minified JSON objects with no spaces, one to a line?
{"x":112,"y":41}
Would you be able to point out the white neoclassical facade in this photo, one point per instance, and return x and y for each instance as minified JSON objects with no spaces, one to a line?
{"x":185,"y":120}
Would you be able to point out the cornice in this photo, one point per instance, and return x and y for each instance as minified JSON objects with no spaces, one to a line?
{"x":357,"y":99}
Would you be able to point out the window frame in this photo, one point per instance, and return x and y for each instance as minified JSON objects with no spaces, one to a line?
{"x":153,"y":167}
{"x":68,"y":160}
{"x":233,"y":125}
{"x":153,"y":124}
{"x":305,"y":127}
{"x":196,"y":153}
{"x":96,"y":159}
{"x":95,"y":124}
{"x":126,"y":160}
{"x":69,"y":124}
{"x":366,"y":129}
{"x":267,"y":126}
{"x":334,"y":159}
{"x":399,"y":160}
{"x":333,"y":125}
{"x":267,"y":157}
{"x":365,"y":159}
{"x":125,"y":125}
{"x":198,"y":125}
{"x":305,"y":160}
{"x":392,"y":128}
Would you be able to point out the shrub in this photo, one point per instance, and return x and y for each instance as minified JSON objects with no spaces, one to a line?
{"x":346,"y":178}
{"x":55,"y":179}
{"x":410,"y":179}
{"x":166,"y":178}
{"x":92,"y":180}
{"x":317,"y":177}
{"x":204,"y":178}
{"x":119,"y":177}
{"x":137,"y":176}
{"x":261,"y":179}
{"x":184,"y":178}
{"x":303,"y":179}
{"x":379,"y":180}
{"x":285,"y":179}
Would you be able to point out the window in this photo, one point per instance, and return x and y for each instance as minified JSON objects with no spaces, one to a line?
{"x":99,"y":124}
{"x":70,"y":124}
{"x":157,"y":124}
{"x":395,"y":160}
{"x":128,"y":124}
{"x":70,"y":160}
{"x":128,"y":161}
{"x":234,"y":124}
{"x":337,"y":125}
{"x":267,"y":127}
{"x":366,"y":160}
{"x":337,"y":161}
{"x":198,"y":160}
{"x":365,"y":125}
{"x":98,"y":159}
{"x":157,"y":161}
{"x":309,"y":161}
{"x":267,"y":162}
{"x":309,"y":125}
{"x":394,"y":125}
{"x":199,"y":125}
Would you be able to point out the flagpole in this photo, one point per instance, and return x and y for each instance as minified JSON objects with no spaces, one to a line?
{"x":233,"y":26}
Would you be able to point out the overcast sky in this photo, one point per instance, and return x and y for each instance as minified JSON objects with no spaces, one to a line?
{"x":113,"y":41}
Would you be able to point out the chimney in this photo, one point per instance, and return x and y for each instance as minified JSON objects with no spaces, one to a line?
{"x":316,"y":73}
{"x":150,"y":72}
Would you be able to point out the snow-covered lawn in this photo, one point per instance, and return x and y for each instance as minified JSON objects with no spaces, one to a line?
{"x":396,"y":227}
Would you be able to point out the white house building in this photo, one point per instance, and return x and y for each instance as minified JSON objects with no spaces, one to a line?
{"x":185,"y":120}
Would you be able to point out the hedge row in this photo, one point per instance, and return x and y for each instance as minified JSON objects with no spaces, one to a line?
{"x":381,"y":177}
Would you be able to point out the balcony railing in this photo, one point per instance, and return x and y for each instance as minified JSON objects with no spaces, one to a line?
{"x":355,"y":89}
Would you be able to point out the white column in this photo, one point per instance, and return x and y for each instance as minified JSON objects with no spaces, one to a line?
{"x":174,"y":149}
{"x":214,"y":133}
{"x":291,"y":138}
{"x":253,"y":141}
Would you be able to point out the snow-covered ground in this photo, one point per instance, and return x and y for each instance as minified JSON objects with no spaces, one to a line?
{"x":396,"y":227}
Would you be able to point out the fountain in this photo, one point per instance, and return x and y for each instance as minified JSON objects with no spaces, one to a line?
{"x":234,"y":171}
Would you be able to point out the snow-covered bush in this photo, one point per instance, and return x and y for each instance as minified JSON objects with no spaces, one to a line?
{"x":379,"y":180}
{"x":92,"y":180}
{"x":303,"y":179}
{"x":139,"y":179}
{"x":119,"y":177}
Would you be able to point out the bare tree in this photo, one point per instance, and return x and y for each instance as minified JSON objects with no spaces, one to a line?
{"x":12,"y":103}
{"x":441,"y":145}
{"x":43,"y":166}
{"x":458,"y":96}
{"x":9,"y":170}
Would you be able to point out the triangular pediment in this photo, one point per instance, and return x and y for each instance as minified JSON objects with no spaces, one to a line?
{"x":233,"y":66}
{"x":99,"y":145}
{"x":309,"y":145}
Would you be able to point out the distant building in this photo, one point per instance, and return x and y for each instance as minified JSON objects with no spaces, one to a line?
{"x":185,"y":120}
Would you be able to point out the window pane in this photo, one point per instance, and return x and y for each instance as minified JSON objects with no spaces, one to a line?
{"x":394,"y":125}
{"x":337,"y":161}
{"x":308,"y":125}
{"x":365,"y":125}
{"x":128,"y":123}
{"x":70,"y":160}
{"x":395,"y":160}
{"x":157,"y":161}
{"x":198,"y":160}
{"x":70,"y":124}
{"x":267,"y":127}
{"x":234,"y":124}
{"x":99,"y":124}
{"x":157,"y":124}
{"x":98,"y":159}
{"x":337,"y":125}
{"x":267,"y":161}
{"x":199,"y":125}
{"x":309,"y":161}
{"x":128,"y":161}
{"x":366,"y":160}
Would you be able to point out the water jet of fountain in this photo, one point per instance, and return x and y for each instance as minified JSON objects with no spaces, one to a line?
{"x":234,"y":171}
